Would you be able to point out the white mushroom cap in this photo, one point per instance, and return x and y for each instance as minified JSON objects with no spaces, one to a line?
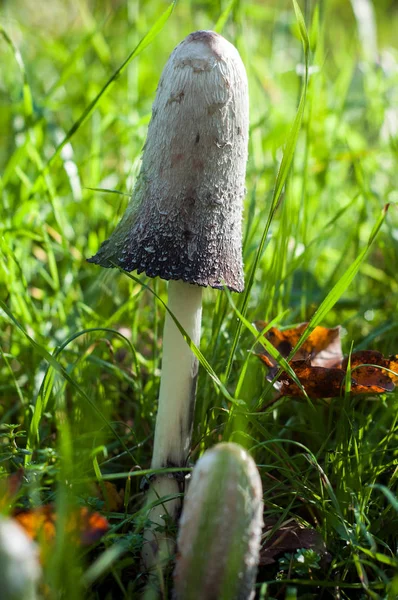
{"x":184,"y":219}
{"x":20,"y":569}
{"x":220,"y":527}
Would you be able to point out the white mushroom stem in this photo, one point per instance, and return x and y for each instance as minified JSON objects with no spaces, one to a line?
{"x":175,"y":413}
{"x":179,"y":375}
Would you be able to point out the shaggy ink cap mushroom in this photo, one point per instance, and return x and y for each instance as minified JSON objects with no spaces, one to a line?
{"x":184,"y":220}
{"x":219,"y":535}
{"x":184,"y":224}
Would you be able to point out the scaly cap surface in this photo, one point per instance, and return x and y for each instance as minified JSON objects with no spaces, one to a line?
{"x":184,"y":219}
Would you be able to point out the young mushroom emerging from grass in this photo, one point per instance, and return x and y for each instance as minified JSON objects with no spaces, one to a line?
{"x":183,"y":222}
{"x":20,"y":570}
{"x":220,"y":528}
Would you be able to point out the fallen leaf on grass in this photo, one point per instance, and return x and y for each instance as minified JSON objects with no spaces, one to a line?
{"x":290,"y":536}
{"x":321,"y":368}
{"x":85,"y":526}
{"x":322,"y":347}
{"x":318,"y":382}
{"x":363,"y":369}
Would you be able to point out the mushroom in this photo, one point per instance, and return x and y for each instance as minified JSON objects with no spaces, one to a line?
{"x":220,"y":527}
{"x":20,"y":569}
{"x":183,"y":222}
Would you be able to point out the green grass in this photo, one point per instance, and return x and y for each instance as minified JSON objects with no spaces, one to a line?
{"x":81,"y":347}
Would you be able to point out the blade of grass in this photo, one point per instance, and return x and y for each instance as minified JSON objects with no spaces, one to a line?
{"x":267,"y":346}
{"x":340,"y":287}
{"x":27,"y":95}
{"x":203,"y":361}
{"x":272,"y":323}
{"x":334,"y":295}
{"x":60,"y":369}
{"x":45,"y":388}
{"x":144,"y":43}
{"x":106,"y":191}
{"x":388,"y":494}
{"x":281,"y":178}
{"x":223,"y":18}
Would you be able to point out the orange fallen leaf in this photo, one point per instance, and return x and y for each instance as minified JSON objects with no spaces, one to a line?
{"x":320,"y":367}
{"x":320,"y":382}
{"x":364,"y":366}
{"x":86,"y":526}
{"x":322,"y":347}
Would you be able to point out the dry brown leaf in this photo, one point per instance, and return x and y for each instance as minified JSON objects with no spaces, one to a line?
{"x":322,"y":347}
{"x":289,"y":537}
{"x":320,"y":367}
{"x":364,"y":374}
{"x":86,"y":526}
{"x":318,"y":382}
